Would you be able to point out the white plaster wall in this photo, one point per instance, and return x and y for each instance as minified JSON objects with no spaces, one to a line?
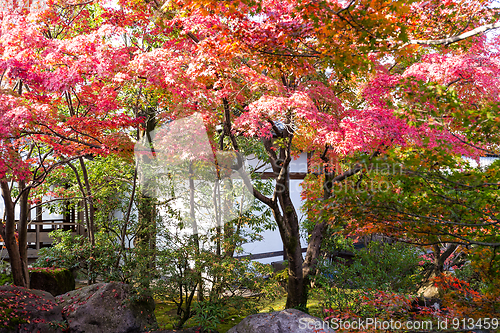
{"x":483,"y":161}
{"x":271,"y":238}
{"x":46,"y":215}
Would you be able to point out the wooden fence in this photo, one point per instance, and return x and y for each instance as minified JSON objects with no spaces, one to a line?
{"x":38,"y":235}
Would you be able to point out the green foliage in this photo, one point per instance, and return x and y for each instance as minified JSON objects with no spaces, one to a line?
{"x":163,"y":259}
{"x":5,"y":273}
{"x":380,"y":266}
{"x":272,"y":285}
{"x":208,"y":315}
{"x":187,"y":270}
{"x":59,"y":325}
{"x":470,"y":275}
{"x":436,"y":198}
{"x":281,"y":277}
{"x":74,"y":252}
{"x":110,"y":181}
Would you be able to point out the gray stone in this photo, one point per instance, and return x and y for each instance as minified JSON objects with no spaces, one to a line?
{"x":29,"y":310}
{"x":286,"y":321}
{"x":428,"y":290}
{"x":107,"y":308}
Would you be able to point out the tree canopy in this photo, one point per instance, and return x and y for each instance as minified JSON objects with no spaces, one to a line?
{"x":411,"y":81}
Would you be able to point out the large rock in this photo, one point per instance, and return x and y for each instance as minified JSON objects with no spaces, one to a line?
{"x":286,"y":321}
{"x":56,"y":281}
{"x":428,"y":290}
{"x":27,"y":310}
{"x":107,"y":308}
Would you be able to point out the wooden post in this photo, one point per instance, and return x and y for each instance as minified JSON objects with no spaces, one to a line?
{"x":38,"y":225}
{"x":73,"y":220}
{"x":66,"y":217}
{"x":81,"y":222}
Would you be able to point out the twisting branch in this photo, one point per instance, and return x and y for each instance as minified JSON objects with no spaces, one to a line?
{"x":454,"y":39}
{"x":228,"y":131}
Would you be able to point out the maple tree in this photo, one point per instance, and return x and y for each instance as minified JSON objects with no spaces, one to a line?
{"x":427,"y":193}
{"x":57,"y":106}
{"x":469,"y":91}
{"x":288,"y":73}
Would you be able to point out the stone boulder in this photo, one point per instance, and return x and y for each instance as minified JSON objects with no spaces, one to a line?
{"x":107,"y":308}
{"x":428,"y":290}
{"x":28,"y":310}
{"x":56,"y":281}
{"x":286,"y":321}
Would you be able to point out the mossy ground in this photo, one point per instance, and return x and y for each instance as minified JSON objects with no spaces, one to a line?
{"x":166,"y":313}
{"x":166,"y":317}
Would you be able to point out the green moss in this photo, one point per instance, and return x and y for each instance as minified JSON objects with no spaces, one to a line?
{"x":54,"y":280}
{"x":63,"y":276}
{"x":292,"y":241}
{"x":166,"y":313}
{"x":51,"y":270}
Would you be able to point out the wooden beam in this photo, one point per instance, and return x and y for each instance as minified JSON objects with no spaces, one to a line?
{"x":265,"y":255}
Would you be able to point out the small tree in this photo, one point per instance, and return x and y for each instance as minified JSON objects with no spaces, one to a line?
{"x":48,"y":116}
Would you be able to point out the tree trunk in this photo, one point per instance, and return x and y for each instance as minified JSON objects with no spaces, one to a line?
{"x":284,"y":212}
{"x":290,"y":235}
{"x":19,"y":272}
{"x":439,"y":259}
{"x":89,"y":203}
{"x":147,"y":220}
{"x":196,"y":240}
{"x":22,"y":230}
{"x":301,"y":270}
{"x":288,"y":225}
{"x":147,"y":208}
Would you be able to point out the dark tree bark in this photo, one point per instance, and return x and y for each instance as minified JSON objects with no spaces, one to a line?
{"x":439,"y":258}
{"x":89,"y":200}
{"x":17,"y":252}
{"x":285,"y":213}
{"x":146,"y":202}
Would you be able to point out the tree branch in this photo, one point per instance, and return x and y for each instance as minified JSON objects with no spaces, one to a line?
{"x":348,"y":173}
{"x":454,"y":39}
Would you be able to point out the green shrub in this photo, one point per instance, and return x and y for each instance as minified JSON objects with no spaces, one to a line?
{"x":208,"y":315}
{"x":380,"y":266}
{"x":186,"y":271}
{"x":470,"y":275}
{"x":5,"y":274}
{"x":74,"y":252}
{"x":389,"y":267}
